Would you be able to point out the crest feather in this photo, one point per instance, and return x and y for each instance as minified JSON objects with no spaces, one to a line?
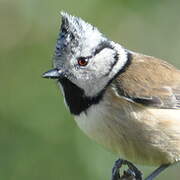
{"x":76,"y":24}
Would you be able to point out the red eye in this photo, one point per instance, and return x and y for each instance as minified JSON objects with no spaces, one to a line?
{"x":82,"y":61}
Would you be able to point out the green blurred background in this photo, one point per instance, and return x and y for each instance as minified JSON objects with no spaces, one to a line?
{"x":39,"y":139}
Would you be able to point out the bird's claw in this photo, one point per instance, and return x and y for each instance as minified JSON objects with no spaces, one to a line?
{"x":132,"y":173}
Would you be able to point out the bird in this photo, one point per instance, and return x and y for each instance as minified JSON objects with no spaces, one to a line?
{"x":124,"y":100}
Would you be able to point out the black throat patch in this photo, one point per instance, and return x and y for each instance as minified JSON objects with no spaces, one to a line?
{"x":76,"y":99}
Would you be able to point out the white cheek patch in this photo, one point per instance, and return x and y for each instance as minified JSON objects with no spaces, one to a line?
{"x":101,"y":69}
{"x":103,"y":61}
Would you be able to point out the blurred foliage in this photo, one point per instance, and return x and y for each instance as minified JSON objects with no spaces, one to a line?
{"x":38,"y":137}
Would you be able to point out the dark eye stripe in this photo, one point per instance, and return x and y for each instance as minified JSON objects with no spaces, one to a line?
{"x":101,"y":46}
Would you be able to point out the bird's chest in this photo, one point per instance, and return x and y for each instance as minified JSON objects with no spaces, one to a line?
{"x":108,"y":126}
{"x":94,"y":123}
{"x":131,"y":131}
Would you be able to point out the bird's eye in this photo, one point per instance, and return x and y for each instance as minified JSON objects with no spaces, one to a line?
{"x":82,"y":61}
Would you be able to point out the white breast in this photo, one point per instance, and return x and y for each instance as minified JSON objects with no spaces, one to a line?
{"x":106,"y":129}
{"x":94,"y":123}
{"x":142,"y":135}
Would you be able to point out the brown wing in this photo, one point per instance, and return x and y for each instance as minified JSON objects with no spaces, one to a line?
{"x":150,"y":81}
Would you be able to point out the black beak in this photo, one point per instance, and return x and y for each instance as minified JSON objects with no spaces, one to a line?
{"x":52,"y":74}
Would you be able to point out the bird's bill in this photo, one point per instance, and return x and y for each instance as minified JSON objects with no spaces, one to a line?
{"x":52,"y":74}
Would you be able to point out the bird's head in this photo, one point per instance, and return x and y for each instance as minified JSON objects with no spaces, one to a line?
{"x":84,"y":56}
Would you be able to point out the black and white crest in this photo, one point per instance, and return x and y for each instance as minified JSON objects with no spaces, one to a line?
{"x":73,"y":32}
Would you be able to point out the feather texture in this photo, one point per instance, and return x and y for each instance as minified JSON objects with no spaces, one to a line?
{"x":151,"y":82}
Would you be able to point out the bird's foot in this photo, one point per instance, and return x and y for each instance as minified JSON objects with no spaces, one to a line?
{"x":133,"y":173}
